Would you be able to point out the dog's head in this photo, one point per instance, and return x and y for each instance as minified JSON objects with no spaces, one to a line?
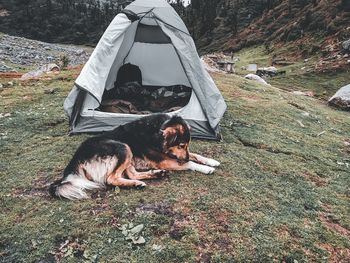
{"x":176,"y":134}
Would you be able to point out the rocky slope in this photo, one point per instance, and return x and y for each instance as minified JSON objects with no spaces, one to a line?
{"x":234,"y":24}
{"x":17,"y":51}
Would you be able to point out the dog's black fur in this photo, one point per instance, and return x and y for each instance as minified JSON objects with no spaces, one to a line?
{"x":145,"y":137}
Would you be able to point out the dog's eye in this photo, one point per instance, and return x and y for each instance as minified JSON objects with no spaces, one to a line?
{"x":182,"y":145}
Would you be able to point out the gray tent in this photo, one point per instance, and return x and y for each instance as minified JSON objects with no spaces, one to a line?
{"x":151,"y":35}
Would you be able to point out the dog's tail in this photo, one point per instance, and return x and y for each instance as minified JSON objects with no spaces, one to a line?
{"x":73,"y":187}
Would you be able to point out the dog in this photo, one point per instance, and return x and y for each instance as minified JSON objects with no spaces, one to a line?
{"x":140,"y":150}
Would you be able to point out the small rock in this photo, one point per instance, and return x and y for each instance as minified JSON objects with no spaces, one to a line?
{"x":157,"y":248}
{"x":80,"y":52}
{"x":256,"y":78}
{"x":346,"y":45}
{"x":1,"y":86}
{"x":10,"y":83}
{"x":47,"y":48}
{"x":300,"y":123}
{"x":51,"y":91}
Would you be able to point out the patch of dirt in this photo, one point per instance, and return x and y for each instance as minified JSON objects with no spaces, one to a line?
{"x":337,"y":255}
{"x":54,"y":123}
{"x":208,"y":246}
{"x":38,"y":188}
{"x":282,"y":233}
{"x":238,"y":94}
{"x":177,"y":231}
{"x":213,"y":151}
{"x":70,"y":247}
{"x":10,"y":75}
{"x":253,"y":98}
{"x":114,"y":221}
{"x":98,"y":209}
{"x":162,"y":208}
{"x":347,"y":146}
{"x":316,"y":180}
{"x":332,"y":223}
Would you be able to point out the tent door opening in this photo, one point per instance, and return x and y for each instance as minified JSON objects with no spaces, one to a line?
{"x":152,"y":78}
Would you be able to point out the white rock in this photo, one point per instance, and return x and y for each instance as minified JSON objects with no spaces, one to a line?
{"x":256,"y":78}
{"x":341,"y":99}
{"x":269,"y":69}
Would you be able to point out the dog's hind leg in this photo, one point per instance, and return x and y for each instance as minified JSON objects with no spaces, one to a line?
{"x":203,"y":160}
{"x":151,"y":174}
{"x":116,"y":177}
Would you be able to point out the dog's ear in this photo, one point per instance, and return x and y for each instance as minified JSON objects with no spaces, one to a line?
{"x":174,"y":120}
{"x":170,"y":135}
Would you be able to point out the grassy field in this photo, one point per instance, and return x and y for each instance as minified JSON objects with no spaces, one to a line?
{"x":281,"y":195}
{"x":299,"y":76}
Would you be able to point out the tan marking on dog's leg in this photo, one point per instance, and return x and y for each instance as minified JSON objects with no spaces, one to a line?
{"x":122,"y":182}
{"x":203,"y":160}
{"x":175,"y":166}
{"x":151,"y":174}
{"x":116,"y":178}
{"x":113,"y":178}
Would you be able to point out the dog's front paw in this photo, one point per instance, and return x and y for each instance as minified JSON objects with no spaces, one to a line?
{"x":213,"y":163}
{"x":208,"y":170}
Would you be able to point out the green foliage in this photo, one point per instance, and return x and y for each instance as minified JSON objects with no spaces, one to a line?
{"x":68,"y":21}
{"x":64,"y":61}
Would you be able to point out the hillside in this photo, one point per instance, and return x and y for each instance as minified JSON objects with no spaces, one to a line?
{"x":281,"y":193}
{"x":311,"y":26}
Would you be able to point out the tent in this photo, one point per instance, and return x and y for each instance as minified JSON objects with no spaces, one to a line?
{"x":152,"y":36}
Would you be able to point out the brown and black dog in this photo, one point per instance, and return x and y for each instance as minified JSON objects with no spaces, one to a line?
{"x":139,"y":150}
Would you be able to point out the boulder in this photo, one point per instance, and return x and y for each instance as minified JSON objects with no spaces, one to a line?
{"x":341,"y":99}
{"x":256,"y":78}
